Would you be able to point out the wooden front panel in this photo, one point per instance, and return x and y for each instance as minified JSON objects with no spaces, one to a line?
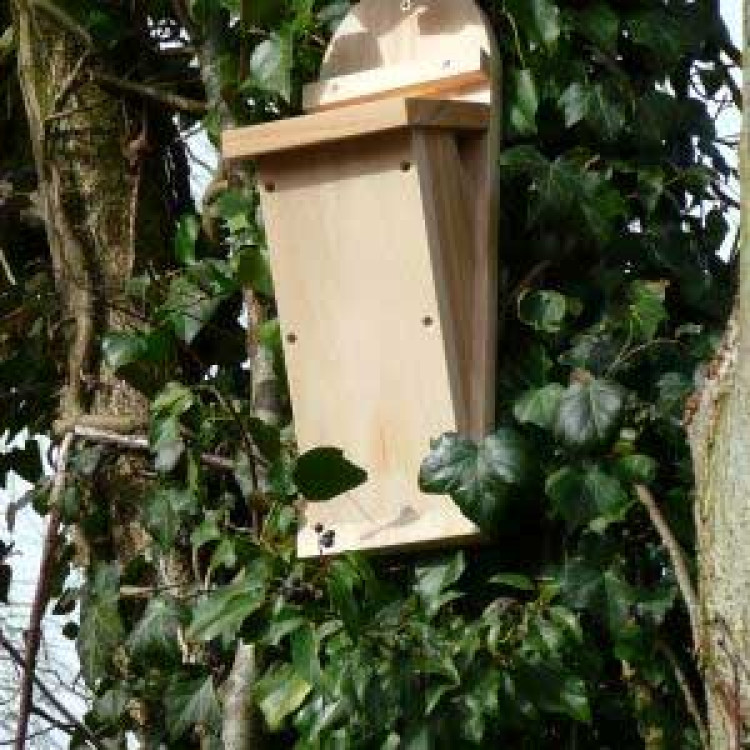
{"x":369,"y":367}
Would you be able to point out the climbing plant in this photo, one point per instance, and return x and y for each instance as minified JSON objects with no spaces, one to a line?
{"x":574,"y":625}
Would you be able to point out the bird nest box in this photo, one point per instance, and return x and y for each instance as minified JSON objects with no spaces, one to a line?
{"x":379,"y":208}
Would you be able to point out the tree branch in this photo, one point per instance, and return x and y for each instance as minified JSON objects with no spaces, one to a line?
{"x":15,"y":655}
{"x":152,"y":93}
{"x":677,"y":556}
{"x":41,"y":596}
{"x":56,"y":13}
{"x":139,"y":444}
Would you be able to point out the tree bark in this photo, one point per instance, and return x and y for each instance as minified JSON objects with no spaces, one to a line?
{"x":720,"y":441}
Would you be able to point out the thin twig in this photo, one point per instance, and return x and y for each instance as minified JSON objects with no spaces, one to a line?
{"x":16,"y":657}
{"x":677,"y":556}
{"x":690,"y":701}
{"x":140,"y":443}
{"x":152,"y":93}
{"x":34,"y":632}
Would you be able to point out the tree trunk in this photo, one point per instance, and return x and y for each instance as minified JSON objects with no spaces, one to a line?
{"x":103,"y":189}
{"x":720,"y":440}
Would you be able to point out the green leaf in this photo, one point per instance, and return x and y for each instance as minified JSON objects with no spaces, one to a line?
{"x":271,"y":66}
{"x":253,"y":270}
{"x":637,"y":469}
{"x":647,"y":308}
{"x":600,"y":24}
{"x":479,"y":477}
{"x":539,"y":406}
{"x":121,"y":349}
{"x":166,"y":511}
{"x":101,"y":630}
{"x":524,"y":100}
{"x":222,"y":613}
{"x":155,"y":635}
{"x":514,"y":581}
{"x":589,"y":413}
{"x":590,"y":102}
{"x":432,"y":581}
{"x":280,"y":693}
{"x":191,"y":703}
{"x":110,"y":707}
{"x":189,"y":307}
{"x":186,"y":237}
{"x":544,"y":311}
{"x":591,"y":497}
{"x":324,"y":473}
{"x":539,"y":18}
{"x":305,"y":655}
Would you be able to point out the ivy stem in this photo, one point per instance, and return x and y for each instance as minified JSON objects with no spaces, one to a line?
{"x":677,"y":556}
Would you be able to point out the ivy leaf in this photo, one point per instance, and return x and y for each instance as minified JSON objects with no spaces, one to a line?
{"x":224,"y":611}
{"x":271,"y":66}
{"x":543,"y":310}
{"x":432,"y":581}
{"x":110,"y":707}
{"x":166,"y":510}
{"x":189,"y":307}
{"x":589,"y":413}
{"x":647,"y":308}
{"x":324,"y":473}
{"x":279,"y":693}
{"x":591,"y":497}
{"x":541,"y":18}
{"x":253,"y":270}
{"x":189,"y":704}
{"x":590,"y":102}
{"x":637,"y":469}
{"x":524,"y":100}
{"x":539,"y":406}
{"x":479,"y":477}
{"x":101,"y":630}
{"x":600,"y":24}
{"x":186,"y":238}
{"x":156,"y":633}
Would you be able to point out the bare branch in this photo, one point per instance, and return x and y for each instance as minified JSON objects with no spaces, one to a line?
{"x":152,"y":93}
{"x":34,"y":632}
{"x":16,"y":657}
{"x":139,"y":443}
{"x":56,"y":13}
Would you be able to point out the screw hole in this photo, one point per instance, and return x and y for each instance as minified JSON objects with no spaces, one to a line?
{"x":427,"y":321}
{"x":405,"y":166}
{"x":292,"y":338}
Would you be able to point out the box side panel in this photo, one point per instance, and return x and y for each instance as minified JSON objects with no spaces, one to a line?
{"x":364,"y":338}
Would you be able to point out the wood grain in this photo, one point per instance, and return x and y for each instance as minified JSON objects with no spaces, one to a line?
{"x":446,"y":75}
{"x":352,"y":122}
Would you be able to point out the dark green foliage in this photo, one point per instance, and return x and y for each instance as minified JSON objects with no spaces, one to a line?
{"x":554,"y":633}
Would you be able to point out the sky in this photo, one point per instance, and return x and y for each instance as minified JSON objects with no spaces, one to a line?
{"x":30,"y":527}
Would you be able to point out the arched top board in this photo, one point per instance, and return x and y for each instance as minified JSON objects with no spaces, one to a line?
{"x":418,"y":47}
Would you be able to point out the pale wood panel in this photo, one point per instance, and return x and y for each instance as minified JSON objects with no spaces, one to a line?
{"x":366,"y":350}
{"x":352,"y":122}
{"x":421,"y":78}
{"x":379,"y":34}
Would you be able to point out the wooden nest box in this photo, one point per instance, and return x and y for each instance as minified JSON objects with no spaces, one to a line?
{"x":379,"y":207}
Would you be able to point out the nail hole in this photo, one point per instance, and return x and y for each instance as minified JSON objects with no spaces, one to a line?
{"x":405,"y":166}
{"x":270,"y":187}
{"x":292,"y":338}
{"x":427,"y":321}
{"x":446,"y":64}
